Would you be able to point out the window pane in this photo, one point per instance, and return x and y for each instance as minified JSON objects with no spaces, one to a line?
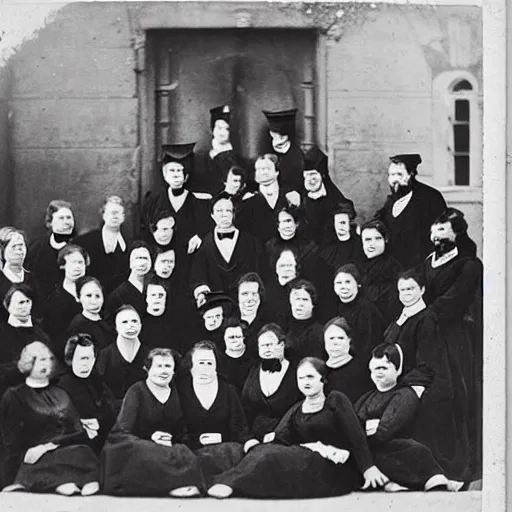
{"x":462,"y":170}
{"x":461,"y":138}
{"x":463,"y":85}
{"x":462,"y":110}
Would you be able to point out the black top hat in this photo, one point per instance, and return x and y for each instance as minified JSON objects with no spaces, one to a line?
{"x":223,"y":112}
{"x":281,"y":121}
{"x":410,"y":160}
{"x":316,"y":160}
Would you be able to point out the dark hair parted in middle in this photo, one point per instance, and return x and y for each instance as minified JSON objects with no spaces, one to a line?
{"x":80,"y":339}
{"x":317,"y":364}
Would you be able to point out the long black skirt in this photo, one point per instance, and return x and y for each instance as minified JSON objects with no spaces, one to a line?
{"x":406,"y":462}
{"x":288,"y":472}
{"x":70,"y":464}
{"x":215,"y":459}
{"x":138,"y":467}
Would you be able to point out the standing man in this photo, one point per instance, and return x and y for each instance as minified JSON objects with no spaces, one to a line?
{"x":281,"y":125}
{"x":410,"y":210}
{"x":321,"y":195}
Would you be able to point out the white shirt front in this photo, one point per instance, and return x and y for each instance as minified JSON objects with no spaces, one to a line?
{"x":400,"y":204}
{"x":177,"y":201}
{"x":270,"y":381}
{"x":111,"y":240}
{"x":206,"y":393}
{"x":270,"y":193}
{"x":410,"y":311}
{"x":226,"y":246}
{"x":14,"y":278}
{"x":128,"y":351}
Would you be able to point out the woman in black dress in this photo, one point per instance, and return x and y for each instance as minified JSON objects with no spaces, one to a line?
{"x":217,"y":429}
{"x":305,"y":332}
{"x":16,"y":333}
{"x":380,"y":270}
{"x":90,"y":320}
{"x":13,"y":251}
{"x":387,"y":414}
{"x":93,"y":400}
{"x":362,"y":315}
{"x":271,"y":386}
{"x":131,"y":291}
{"x":319,"y":449}
{"x":45,"y":446}
{"x":63,"y":305}
{"x":42,"y":252}
{"x":252,"y":308}
{"x":144,"y":454}
{"x":341,"y":243}
{"x":107,"y":246}
{"x":236,"y":361}
{"x":346,"y":372}
{"x":121,"y":364}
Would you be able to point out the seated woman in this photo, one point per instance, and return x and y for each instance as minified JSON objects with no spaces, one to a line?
{"x":121,"y":364}
{"x":319,"y":449}
{"x":131,"y":291}
{"x":217,"y":429}
{"x":427,"y":370}
{"x":271,"y":386}
{"x":342,"y":244}
{"x":362,"y":315}
{"x":90,"y":321}
{"x":144,"y":454}
{"x":93,"y":400}
{"x":381,"y":270}
{"x":42,"y":252}
{"x":305,"y":332}
{"x":236,"y":361}
{"x":346,"y":372}
{"x":16,"y":333}
{"x":387,"y":414}
{"x":63,"y":305}
{"x":45,"y":446}
{"x":13,"y":250}
{"x":252,"y":308}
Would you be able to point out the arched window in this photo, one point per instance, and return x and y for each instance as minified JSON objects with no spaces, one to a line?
{"x":457,"y":131}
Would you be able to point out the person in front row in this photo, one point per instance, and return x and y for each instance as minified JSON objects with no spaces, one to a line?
{"x":319,"y":449}
{"x":144,"y":454}
{"x":387,"y":414}
{"x":44,"y":443}
{"x":216,"y":425}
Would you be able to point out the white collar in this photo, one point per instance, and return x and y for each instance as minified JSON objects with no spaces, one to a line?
{"x":284,"y":282}
{"x":32,"y":383}
{"x":110,"y":240}
{"x":56,"y":245}
{"x":445,"y":258}
{"x":128,"y":353}
{"x":12,"y":320}
{"x":409,"y":311}
{"x":338,"y":362}
{"x":270,"y":190}
{"x":400,"y":204}
{"x":136,"y":283}
{"x":14,"y":278}
{"x":321,"y":192}
{"x":285,"y":150}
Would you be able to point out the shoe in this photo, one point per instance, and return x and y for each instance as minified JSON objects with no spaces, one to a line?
{"x":436,"y":483}
{"x":454,"y":486}
{"x":185,"y":492}
{"x":90,"y":489}
{"x":394,"y":487}
{"x":14,"y":488}
{"x":67,"y":489}
{"x":220,"y":491}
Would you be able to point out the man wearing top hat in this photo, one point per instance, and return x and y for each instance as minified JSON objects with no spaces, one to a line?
{"x":281,"y":125}
{"x":409,"y":211}
{"x":221,"y":157}
{"x":320,"y":195}
{"x":226,"y":253}
{"x":190,"y":213}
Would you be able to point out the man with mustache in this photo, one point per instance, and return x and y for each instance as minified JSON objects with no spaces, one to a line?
{"x":409,"y":211}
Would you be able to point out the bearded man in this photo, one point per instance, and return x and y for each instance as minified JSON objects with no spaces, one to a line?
{"x":410,"y":210}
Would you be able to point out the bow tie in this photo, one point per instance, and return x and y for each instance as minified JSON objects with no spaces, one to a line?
{"x":61,"y":238}
{"x":177,"y":192}
{"x":229,"y":235}
{"x":271,"y":365}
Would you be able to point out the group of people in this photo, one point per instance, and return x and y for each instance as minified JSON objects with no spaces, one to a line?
{"x":254,"y":341}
